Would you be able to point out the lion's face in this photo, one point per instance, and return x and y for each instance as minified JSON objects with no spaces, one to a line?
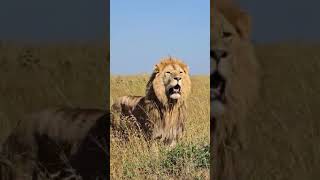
{"x":173,"y":78}
{"x":172,"y":81}
{"x":221,"y":58}
{"x":229,"y":44}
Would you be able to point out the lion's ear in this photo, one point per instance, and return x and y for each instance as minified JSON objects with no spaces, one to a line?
{"x":243,"y":25}
{"x":156,"y":69}
{"x":186,"y":69}
{"x":238,"y":18}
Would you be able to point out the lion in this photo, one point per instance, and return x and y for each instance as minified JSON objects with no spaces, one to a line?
{"x":162,"y":112}
{"x":60,"y":143}
{"x":235,"y":82}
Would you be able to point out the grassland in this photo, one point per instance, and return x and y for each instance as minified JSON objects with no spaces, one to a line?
{"x":283,"y":132}
{"x":137,"y":159}
{"x":34,"y":77}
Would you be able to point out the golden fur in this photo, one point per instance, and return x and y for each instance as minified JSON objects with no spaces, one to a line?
{"x":239,"y":71}
{"x":44,"y":136}
{"x":161,"y":113}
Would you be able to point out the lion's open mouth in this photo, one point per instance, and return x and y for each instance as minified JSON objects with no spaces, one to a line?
{"x":218,"y":85}
{"x":175,"y":92}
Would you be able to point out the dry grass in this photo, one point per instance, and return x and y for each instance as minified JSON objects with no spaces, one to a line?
{"x":35,"y":77}
{"x":284,"y":131}
{"x":138,"y":159}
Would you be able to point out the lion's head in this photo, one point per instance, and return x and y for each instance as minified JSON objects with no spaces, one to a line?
{"x":234,"y":68}
{"x":170,"y":81}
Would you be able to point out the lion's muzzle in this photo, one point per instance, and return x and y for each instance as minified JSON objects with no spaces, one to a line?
{"x":175,"y":92}
{"x":217,"y":83}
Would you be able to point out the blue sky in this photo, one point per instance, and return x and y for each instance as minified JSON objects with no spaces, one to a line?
{"x":143,"y":31}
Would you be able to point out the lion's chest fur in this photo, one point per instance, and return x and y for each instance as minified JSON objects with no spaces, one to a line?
{"x":159,"y":122}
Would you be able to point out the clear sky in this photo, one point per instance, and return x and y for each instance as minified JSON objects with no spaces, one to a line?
{"x":143,"y":31}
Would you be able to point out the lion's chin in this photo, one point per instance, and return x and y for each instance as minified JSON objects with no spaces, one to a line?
{"x":175,"y":96}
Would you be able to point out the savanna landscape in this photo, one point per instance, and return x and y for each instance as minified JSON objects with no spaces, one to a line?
{"x":37,"y":76}
{"x":283,"y":130}
{"x":140,"y":159}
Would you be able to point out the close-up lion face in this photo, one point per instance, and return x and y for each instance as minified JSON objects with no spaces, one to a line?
{"x":221,"y":59}
{"x":229,"y":47}
{"x":173,"y":77}
{"x":172,"y":81}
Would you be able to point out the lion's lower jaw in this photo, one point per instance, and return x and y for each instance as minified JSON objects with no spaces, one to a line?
{"x":175,"y":96}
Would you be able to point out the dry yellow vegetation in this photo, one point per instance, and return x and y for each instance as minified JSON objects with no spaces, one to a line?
{"x":138,"y":159}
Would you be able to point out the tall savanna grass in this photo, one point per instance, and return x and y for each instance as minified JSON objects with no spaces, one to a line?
{"x":138,"y":159}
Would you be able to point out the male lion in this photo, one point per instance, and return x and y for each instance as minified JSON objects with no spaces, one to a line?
{"x":161,"y":113}
{"x":60,"y":143}
{"x":234,"y":85}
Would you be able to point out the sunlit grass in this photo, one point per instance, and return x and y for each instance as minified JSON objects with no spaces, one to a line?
{"x":138,"y":159}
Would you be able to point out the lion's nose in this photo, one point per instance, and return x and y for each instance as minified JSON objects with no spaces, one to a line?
{"x":218,"y":54}
{"x":177,"y":78}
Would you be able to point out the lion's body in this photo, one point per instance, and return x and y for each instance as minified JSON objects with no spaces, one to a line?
{"x":158,"y":115}
{"x":239,"y":70}
{"x":44,"y":136}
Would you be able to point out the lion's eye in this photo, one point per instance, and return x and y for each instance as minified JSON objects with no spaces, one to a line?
{"x":181,"y":72}
{"x":168,"y":72}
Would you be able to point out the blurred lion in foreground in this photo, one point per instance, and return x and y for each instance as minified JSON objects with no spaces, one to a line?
{"x":235,"y":79}
{"x":57,"y":143}
{"x":162,"y":112}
